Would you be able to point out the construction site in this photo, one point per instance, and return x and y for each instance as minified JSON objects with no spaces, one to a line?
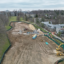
{"x":29,"y":46}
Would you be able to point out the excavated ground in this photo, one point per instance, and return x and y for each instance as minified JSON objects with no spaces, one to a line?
{"x":25,"y":50}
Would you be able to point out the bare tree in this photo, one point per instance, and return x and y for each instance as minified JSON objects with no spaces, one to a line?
{"x":18,"y":18}
{"x":2,"y":27}
{"x":4,"y":19}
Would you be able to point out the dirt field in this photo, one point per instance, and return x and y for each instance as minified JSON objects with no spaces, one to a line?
{"x":25,"y":50}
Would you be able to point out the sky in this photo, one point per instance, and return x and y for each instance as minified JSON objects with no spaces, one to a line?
{"x":31,"y":5}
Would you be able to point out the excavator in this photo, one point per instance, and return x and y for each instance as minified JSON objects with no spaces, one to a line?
{"x":60,"y":50}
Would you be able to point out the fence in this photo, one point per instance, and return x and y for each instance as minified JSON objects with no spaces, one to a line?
{"x":52,"y":40}
{"x":5,"y":51}
{"x":58,"y":39}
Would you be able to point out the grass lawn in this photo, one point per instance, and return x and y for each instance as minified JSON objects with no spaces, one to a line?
{"x":21,"y":19}
{"x":13,"y":18}
{"x":8,"y":27}
{"x":58,"y":41}
{"x":3,"y":45}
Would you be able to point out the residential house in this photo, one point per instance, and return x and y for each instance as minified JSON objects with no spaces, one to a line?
{"x":12,"y":14}
{"x":53,"y":27}
{"x":30,"y":14}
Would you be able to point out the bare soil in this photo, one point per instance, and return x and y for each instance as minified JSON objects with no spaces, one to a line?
{"x":25,"y":50}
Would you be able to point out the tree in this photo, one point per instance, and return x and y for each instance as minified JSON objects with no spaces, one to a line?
{"x":49,"y":22}
{"x":2,"y":28}
{"x":18,"y":18}
{"x":57,"y":12}
{"x":43,"y":19}
{"x":42,"y":25}
{"x":36,"y":16}
{"x":37,"y":21}
{"x":59,"y":34}
{"x":62,"y":13}
{"x":15,"y":13}
{"x":4,"y":19}
{"x":26,"y":18}
{"x":54,"y":17}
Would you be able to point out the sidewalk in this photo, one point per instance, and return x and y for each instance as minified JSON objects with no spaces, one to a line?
{"x":58,"y":37}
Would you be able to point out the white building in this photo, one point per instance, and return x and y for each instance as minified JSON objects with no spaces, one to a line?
{"x":32,"y":15}
{"x":53,"y":27}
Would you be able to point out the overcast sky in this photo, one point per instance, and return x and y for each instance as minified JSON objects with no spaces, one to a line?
{"x":31,"y":4}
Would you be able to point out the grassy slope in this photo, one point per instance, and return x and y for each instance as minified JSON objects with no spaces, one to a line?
{"x":40,"y":28}
{"x":4,"y":44}
{"x":13,"y":18}
{"x":21,"y":19}
{"x":57,"y":40}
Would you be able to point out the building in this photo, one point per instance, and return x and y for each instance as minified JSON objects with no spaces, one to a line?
{"x":53,"y":27}
{"x":30,"y":15}
{"x":12,"y":14}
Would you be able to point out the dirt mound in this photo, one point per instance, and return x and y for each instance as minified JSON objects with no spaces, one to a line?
{"x":31,"y":27}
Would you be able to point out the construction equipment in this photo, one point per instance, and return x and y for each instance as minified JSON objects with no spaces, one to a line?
{"x":41,"y":40}
{"x":59,"y":53}
{"x":34,"y":36}
{"x":49,"y":34}
{"x":60,"y":49}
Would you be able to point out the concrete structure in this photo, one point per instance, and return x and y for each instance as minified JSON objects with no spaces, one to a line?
{"x":53,"y":27}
